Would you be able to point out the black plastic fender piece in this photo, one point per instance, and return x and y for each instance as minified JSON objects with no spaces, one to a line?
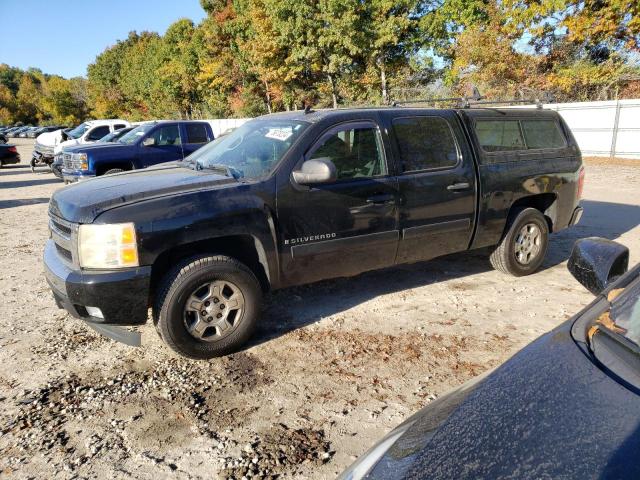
{"x":597,"y":262}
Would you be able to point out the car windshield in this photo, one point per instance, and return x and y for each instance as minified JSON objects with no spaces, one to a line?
{"x":134,"y":135}
{"x":625,"y":312}
{"x":250,"y":151}
{"x":78,"y":131}
{"x":108,"y":137}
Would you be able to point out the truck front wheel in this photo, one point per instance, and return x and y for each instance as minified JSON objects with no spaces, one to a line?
{"x":207,"y":307}
{"x":522,"y":250}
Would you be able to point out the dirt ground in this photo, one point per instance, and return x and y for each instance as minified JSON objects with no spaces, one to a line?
{"x":333,"y":367}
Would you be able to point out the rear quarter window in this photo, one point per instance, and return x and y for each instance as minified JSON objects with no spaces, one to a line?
{"x":543,"y":134}
{"x":499,"y":135}
{"x":196,"y":133}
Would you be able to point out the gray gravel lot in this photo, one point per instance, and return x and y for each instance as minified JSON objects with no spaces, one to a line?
{"x":333,"y":367}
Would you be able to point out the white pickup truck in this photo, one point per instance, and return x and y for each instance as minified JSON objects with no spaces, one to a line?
{"x":50,"y":144}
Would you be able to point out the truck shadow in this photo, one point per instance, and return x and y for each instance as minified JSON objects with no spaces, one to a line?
{"x":293,"y":308}
{"x":21,"y":202}
{"x":29,"y":183}
{"x":601,"y":219}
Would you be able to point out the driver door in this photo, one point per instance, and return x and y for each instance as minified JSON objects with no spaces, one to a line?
{"x":344,"y":227}
{"x":166,"y":147}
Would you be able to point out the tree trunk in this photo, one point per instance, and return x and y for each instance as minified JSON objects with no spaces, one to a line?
{"x":266,"y":89}
{"x":383,"y":80}
{"x":334,"y":95}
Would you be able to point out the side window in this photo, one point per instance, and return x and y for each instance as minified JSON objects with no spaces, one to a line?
{"x":118,"y":126}
{"x":543,"y":134}
{"x":425,"y":143}
{"x":499,"y":135}
{"x":169,"y":135}
{"x":98,"y":132}
{"x":356,"y":151}
{"x":196,"y":133}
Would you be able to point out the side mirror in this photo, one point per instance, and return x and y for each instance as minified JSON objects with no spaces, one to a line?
{"x":318,"y":170}
{"x":597,"y":262}
{"x":148,"y":142}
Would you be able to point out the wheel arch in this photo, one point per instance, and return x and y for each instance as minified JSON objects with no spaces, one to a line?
{"x":545,"y":203}
{"x":245,"y":248}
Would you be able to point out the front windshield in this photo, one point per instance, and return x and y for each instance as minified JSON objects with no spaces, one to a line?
{"x":625,"y":312}
{"x":78,"y":131}
{"x":252,"y":150}
{"x":108,"y":137}
{"x":134,"y":135}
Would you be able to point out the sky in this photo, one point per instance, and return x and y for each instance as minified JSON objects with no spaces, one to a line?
{"x":64,"y":36}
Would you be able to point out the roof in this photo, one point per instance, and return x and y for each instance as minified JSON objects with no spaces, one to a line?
{"x":317,"y":115}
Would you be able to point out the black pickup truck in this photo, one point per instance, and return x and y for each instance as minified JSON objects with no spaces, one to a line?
{"x":298,"y":197}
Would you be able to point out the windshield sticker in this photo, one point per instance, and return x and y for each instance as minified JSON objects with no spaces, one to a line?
{"x":281,"y":134}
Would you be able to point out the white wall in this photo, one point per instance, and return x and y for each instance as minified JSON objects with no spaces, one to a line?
{"x":219,"y":125}
{"x":604,"y":129}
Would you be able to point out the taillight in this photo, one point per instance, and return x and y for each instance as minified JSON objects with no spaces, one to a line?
{"x":580,"y":183}
{"x":13,"y":149}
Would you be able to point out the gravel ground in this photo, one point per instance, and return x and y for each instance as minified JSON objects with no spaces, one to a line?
{"x":333,"y":367}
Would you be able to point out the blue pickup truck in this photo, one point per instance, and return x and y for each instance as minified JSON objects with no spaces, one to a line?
{"x":144,"y":146}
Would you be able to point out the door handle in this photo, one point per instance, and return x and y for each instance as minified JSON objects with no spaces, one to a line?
{"x":455,"y":187}
{"x":382,"y":199}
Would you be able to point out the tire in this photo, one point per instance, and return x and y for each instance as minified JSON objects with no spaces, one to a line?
{"x":113,"y":170}
{"x":523,"y":248}
{"x":200,"y":281}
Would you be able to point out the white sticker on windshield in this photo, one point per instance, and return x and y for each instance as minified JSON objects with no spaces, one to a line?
{"x":139,"y":134}
{"x":281,"y":134}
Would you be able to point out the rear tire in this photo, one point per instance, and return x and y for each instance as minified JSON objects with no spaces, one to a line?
{"x":113,"y":170}
{"x":207,"y":306}
{"x":523,"y":248}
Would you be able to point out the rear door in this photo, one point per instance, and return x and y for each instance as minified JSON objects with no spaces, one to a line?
{"x":195,"y":135}
{"x":167,"y":146}
{"x":437,"y":184}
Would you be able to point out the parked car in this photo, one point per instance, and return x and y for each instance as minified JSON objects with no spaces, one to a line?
{"x":146,"y":145}
{"x":566,"y":406}
{"x":25,"y":133}
{"x":50,"y":144}
{"x":298,"y":197}
{"x":3,"y":138}
{"x":115,"y":135}
{"x":8,"y":155}
{"x":56,"y":166}
{"x":16,"y":133}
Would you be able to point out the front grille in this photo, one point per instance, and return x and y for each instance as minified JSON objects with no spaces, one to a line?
{"x":64,"y":252}
{"x":62,"y":228}
{"x":65,"y":236}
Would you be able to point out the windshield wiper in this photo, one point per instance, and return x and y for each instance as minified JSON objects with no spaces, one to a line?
{"x":218,"y":167}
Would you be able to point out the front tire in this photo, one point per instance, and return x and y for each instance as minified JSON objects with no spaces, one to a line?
{"x":207,"y":307}
{"x":523,"y":248}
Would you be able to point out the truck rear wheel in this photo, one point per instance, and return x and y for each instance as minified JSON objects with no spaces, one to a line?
{"x":523,"y":248}
{"x":207,"y":307}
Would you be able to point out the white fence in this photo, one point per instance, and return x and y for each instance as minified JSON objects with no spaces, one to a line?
{"x":604,"y":129}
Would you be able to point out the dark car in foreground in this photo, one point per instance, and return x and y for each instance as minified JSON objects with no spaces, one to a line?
{"x":8,"y":155}
{"x":565,"y":406}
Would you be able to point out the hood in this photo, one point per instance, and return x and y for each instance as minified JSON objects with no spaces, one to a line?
{"x":67,"y":143}
{"x":49,"y":139}
{"x":84,"y":201}
{"x":533,"y":417}
{"x":92,"y":147}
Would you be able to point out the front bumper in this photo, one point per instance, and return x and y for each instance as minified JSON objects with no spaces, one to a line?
{"x":122,"y":296}
{"x":71,"y":176}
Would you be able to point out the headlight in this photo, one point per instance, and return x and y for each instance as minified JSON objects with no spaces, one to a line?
{"x":80,"y":159}
{"x":108,"y":246}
